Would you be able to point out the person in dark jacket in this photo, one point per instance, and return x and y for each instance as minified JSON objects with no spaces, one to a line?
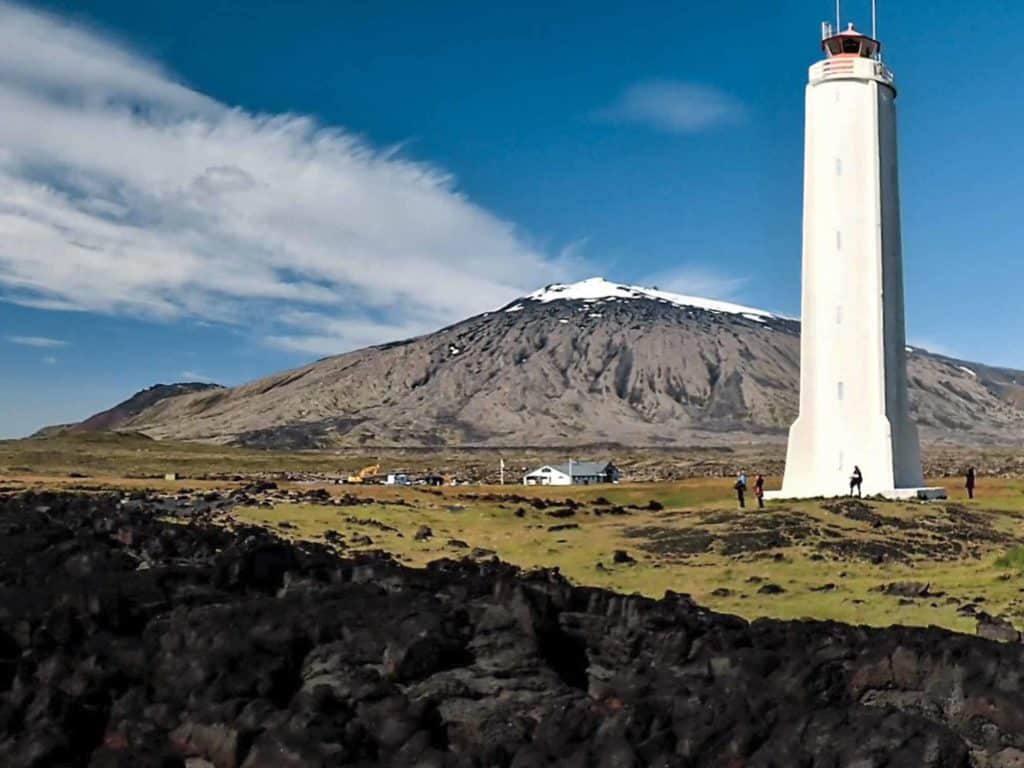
{"x":970,"y":483}
{"x":855,"y":480}
{"x":741,"y":489}
{"x":759,"y":490}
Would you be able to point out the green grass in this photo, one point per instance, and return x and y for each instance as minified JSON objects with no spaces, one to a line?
{"x":527,"y":542}
{"x":996,"y":574}
{"x":1013,"y":559}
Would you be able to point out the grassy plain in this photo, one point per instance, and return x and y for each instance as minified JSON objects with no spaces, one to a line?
{"x":120,"y":456}
{"x":827,"y":563}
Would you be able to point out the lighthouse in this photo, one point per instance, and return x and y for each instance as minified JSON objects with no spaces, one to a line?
{"x":853,"y":379}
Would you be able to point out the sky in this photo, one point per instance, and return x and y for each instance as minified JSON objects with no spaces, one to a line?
{"x":216,"y":191}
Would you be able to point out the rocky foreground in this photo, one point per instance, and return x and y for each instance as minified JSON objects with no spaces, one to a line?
{"x":130,"y":640}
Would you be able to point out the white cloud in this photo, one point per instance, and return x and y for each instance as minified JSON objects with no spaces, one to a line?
{"x":40,"y":342}
{"x":671,"y":106}
{"x":935,"y":347}
{"x":50,"y":360}
{"x":195,"y":376}
{"x":125,"y":192}
{"x":697,"y":280}
{"x":321,"y":335}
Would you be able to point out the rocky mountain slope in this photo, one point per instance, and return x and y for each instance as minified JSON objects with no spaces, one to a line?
{"x":112,"y":418}
{"x":591,"y":362}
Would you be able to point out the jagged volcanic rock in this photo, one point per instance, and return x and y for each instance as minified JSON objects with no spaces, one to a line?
{"x":127,"y":641}
{"x":592,"y":362}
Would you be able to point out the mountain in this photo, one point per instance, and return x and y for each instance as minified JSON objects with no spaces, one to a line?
{"x":591,"y":362}
{"x":122,"y":413}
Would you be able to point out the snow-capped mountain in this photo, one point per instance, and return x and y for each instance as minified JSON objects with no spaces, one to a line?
{"x":597,"y":290}
{"x":588,"y":362}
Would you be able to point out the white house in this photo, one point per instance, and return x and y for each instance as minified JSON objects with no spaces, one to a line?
{"x":573,"y":473}
{"x":547,"y":475}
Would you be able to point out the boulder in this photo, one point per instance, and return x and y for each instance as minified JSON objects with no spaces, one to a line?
{"x":997,"y":628}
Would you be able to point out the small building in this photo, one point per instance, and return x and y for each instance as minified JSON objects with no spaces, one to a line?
{"x":397,"y":478}
{"x":574,"y":473}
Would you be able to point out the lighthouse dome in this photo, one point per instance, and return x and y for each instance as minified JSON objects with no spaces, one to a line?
{"x":851,"y":43}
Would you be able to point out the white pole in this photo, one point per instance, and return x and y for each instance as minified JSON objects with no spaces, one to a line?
{"x":501,"y":466}
{"x":874,"y":20}
{"x":839,"y":23}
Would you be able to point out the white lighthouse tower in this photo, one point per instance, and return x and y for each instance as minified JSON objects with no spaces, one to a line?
{"x":853,"y":378}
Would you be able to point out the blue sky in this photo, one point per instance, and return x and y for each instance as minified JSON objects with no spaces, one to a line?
{"x":189,"y":191}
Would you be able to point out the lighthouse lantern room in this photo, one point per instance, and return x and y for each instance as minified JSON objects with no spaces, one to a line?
{"x":850,"y":43}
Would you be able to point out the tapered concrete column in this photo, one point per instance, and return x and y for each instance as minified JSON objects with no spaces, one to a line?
{"x":853,"y":381}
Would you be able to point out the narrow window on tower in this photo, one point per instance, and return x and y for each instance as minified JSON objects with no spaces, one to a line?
{"x":839,"y":315}
{"x":839,"y":166}
{"x":839,"y":240}
{"x":839,"y":390}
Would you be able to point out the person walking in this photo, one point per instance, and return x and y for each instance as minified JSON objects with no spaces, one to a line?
{"x":970,"y":483}
{"x":741,"y":489}
{"x":759,"y":490}
{"x":855,"y":480}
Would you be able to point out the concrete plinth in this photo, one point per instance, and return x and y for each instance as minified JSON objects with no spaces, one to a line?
{"x":896,"y":494}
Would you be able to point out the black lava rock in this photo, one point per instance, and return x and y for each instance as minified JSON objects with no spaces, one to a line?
{"x":623,"y":557}
{"x":127,"y":640}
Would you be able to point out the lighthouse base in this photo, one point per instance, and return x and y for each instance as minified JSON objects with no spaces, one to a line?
{"x":930,"y":493}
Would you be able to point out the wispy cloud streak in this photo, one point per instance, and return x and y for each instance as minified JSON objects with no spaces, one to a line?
{"x":672,"y":106}
{"x":699,"y":280}
{"x":195,"y":376}
{"x":124,"y":191}
{"x":39,"y":342}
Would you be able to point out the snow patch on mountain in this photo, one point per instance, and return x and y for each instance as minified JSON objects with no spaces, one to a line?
{"x":597,"y":289}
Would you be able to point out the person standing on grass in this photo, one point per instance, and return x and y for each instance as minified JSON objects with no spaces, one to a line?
{"x":741,"y":489}
{"x":970,"y":483}
{"x":855,"y":480}
{"x":759,"y":490}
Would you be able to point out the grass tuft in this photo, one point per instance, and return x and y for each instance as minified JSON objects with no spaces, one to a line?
{"x":1014,"y":559}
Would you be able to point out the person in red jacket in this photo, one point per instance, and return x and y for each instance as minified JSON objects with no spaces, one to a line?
{"x":759,"y":491}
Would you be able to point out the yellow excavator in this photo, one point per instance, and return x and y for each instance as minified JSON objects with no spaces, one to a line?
{"x":360,"y":477}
